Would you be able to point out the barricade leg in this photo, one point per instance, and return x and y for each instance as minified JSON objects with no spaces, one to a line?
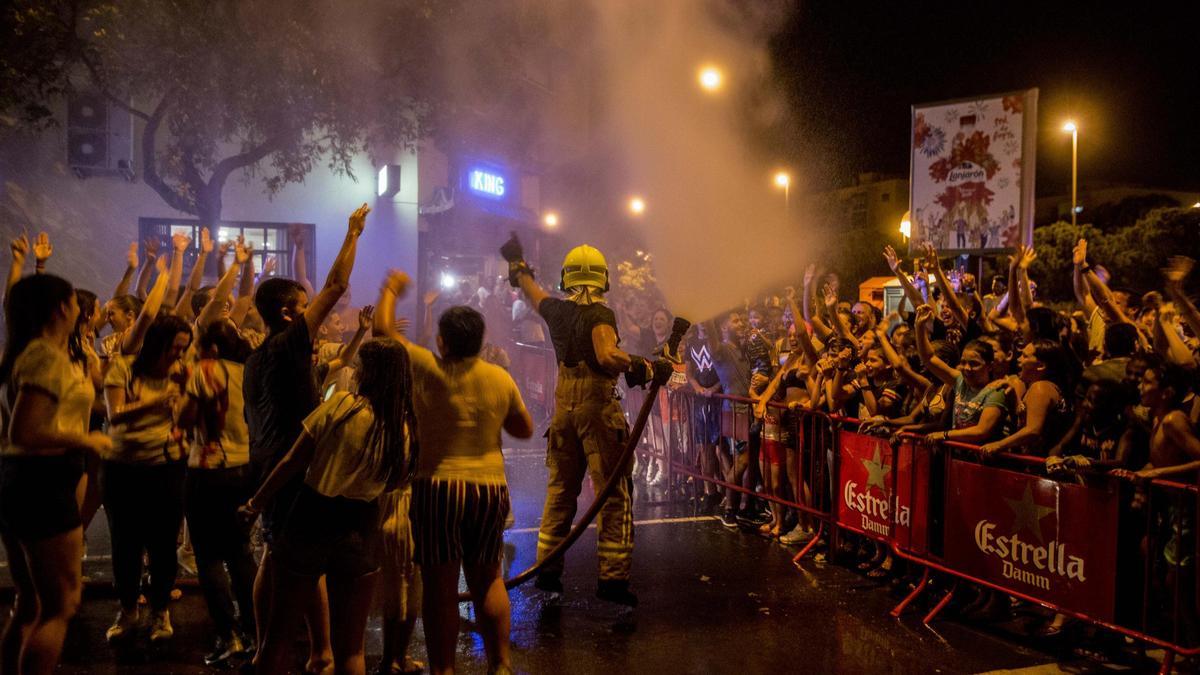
{"x":940,"y":605}
{"x":811,"y":543}
{"x":1168,"y":662}
{"x":912,"y":596}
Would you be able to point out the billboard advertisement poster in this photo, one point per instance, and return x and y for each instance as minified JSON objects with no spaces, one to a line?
{"x":971,"y":172}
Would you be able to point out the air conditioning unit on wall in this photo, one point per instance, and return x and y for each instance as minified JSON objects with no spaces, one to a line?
{"x":99,"y":137}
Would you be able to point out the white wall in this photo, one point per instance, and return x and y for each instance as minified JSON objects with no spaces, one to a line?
{"x":92,"y":221}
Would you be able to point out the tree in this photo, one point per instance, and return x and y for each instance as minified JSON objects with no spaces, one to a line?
{"x":268,"y":87}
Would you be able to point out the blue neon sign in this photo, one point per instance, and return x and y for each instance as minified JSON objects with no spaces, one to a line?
{"x":487,"y":183}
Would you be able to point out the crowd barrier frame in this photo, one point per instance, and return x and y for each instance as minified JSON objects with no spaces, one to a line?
{"x":817,"y":439}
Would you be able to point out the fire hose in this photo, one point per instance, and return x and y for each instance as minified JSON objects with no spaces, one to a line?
{"x":635,"y":435}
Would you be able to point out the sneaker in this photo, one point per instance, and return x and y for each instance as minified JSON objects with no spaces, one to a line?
{"x":616,"y":590}
{"x":549,"y":582}
{"x":754,"y":518}
{"x":797,"y":536}
{"x":729,"y":519}
{"x":160,"y":626}
{"x":224,"y":650}
{"x":125,"y":626}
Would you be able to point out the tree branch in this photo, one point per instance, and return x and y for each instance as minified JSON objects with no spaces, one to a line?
{"x":150,"y":174}
{"x":234,"y":162}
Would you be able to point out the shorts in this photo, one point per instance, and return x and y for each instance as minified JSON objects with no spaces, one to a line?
{"x":774,"y":452}
{"x":454,"y":520}
{"x":706,"y":420}
{"x":37,"y":495}
{"x":328,"y":535}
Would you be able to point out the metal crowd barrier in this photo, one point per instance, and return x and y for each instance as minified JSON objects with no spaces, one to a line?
{"x":1102,"y":550}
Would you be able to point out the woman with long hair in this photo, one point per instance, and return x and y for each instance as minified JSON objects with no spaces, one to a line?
{"x":354,"y":447}
{"x":142,"y":478}
{"x":1045,"y":410}
{"x":82,"y":348}
{"x":219,"y":480}
{"x":45,"y":400}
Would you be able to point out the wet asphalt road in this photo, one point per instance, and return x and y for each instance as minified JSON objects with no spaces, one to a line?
{"x":712,"y":601}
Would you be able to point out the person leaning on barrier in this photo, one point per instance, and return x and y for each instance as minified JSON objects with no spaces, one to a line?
{"x":588,"y":429}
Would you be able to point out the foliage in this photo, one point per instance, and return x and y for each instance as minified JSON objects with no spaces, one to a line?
{"x":271,"y":87}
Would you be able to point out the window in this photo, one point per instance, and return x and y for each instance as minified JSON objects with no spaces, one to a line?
{"x":858,"y":209}
{"x":269,"y":240}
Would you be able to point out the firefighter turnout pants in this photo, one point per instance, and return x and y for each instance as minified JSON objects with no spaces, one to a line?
{"x":587,"y":434}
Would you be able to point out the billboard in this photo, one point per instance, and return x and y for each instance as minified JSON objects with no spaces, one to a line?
{"x":971,"y":172}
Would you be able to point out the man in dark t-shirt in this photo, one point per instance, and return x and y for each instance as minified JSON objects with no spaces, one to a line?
{"x":280,"y":390}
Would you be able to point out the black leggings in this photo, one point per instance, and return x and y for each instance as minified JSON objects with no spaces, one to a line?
{"x":144,"y":505}
{"x":222,"y":539}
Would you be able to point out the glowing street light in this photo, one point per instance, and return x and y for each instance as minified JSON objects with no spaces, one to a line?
{"x":637,"y":206}
{"x":710,"y":78}
{"x":783,"y":180}
{"x":550,"y":219}
{"x":1070,"y":128}
{"x":906,"y":226}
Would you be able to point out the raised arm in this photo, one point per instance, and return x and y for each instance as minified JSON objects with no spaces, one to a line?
{"x":948,"y":295}
{"x":935,"y":365}
{"x":348,"y":353}
{"x":1016,"y":306}
{"x":245,"y":298}
{"x":133,"y":338}
{"x":131,"y":267}
{"x":20,"y":249}
{"x":802,"y":336}
{"x":426,"y":336}
{"x":220,"y":295}
{"x":300,"y":260}
{"x":520,"y":274}
{"x":1101,"y":294}
{"x":179,"y":246}
{"x":42,"y":250}
{"x":809,"y":298}
{"x":339,"y":275}
{"x":1167,"y":342}
{"x":910,"y":291}
{"x":384,"y":322}
{"x":839,"y":323}
{"x":899,"y":363}
{"x":150,"y":249}
{"x":183,"y":308}
{"x":1078,"y":284}
{"x":1177,"y":270}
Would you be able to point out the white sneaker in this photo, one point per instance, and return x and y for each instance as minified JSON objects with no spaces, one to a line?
{"x":125,"y":625}
{"x":798,"y":535}
{"x":160,"y":627}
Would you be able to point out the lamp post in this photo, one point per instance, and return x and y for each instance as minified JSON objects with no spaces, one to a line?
{"x":1070,"y":126}
{"x":710,"y":78}
{"x":906,"y":227}
{"x":783,"y":180}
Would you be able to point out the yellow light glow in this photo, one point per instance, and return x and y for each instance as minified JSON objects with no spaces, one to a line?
{"x":637,"y":206}
{"x":550,"y":219}
{"x":1196,"y":205}
{"x":710,"y":78}
{"x":782,"y":179}
{"x":906,"y":225}
{"x":1069,"y":127}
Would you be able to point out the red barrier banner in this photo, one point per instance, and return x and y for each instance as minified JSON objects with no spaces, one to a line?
{"x":1033,"y":535}
{"x":867,"y":504}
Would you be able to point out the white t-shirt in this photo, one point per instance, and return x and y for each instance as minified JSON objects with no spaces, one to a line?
{"x":49,"y":369}
{"x":222,"y":437}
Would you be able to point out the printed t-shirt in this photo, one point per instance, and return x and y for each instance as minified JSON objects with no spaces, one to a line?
{"x":223,"y":440}
{"x":149,"y":438}
{"x":340,"y":428}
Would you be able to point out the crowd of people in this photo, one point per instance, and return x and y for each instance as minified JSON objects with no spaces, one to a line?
{"x":373,"y":462}
{"x":1105,"y":384}
{"x":373,"y":465}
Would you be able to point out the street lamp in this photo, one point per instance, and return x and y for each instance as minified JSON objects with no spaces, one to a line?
{"x":906,"y":226}
{"x":550,"y":220}
{"x":637,"y":206}
{"x":1070,"y":126}
{"x":783,"y":180}
{"x":710,"y":78}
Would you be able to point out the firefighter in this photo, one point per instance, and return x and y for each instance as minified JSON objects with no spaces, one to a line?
{"x":588,"y":430}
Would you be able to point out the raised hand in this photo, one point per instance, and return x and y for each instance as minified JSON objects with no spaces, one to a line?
{"x":180,"y":242}
{"x":365,"y":316}
{"x":150,"y":246}
{"x":431,"y":297}
{"x":206,"y":242}
{"x":269,"y":266}
{"x":223,"y":249}
{"x":1178,"y":267}
{"x":42,"y":248}
{"x":397,"y":282}
{"x":829,"y":296}
{"x":1028,"y":255}
{"x":893,"y":261}
{"x":241,"y":252}
{"x":1079,"y":253}
{"x":810,"y":273}
{"x":296,"y":232}
{"x":131,"y":256}
{"x":924,"y":313}
{"x":20,"y":249}
{"x":358,"y":219}
{"x":160,"y":264}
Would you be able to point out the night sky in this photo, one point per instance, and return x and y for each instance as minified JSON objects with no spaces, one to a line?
{"x":1128,"y":75}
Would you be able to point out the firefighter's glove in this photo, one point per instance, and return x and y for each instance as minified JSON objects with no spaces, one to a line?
{"x":639,"y":372}
{"x":662,"y":369}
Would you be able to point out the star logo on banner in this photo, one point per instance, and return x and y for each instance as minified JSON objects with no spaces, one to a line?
{"x":1028,"y":513}
{"x":876,"y":470}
